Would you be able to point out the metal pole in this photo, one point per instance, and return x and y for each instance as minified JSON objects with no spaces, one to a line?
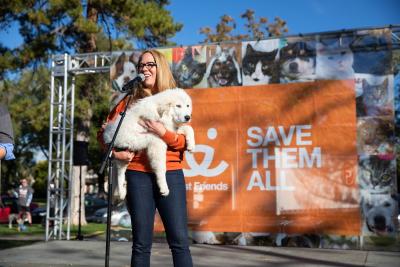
{"x":80,"y":236}
{"x":0,"y":183}
{"x":109,"y":198}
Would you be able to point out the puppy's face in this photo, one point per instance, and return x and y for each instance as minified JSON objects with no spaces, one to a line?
{"x":379,"y":211}
{"x":181,"y":109}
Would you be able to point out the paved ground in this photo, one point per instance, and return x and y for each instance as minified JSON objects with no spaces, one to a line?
{"x":92,"y":253}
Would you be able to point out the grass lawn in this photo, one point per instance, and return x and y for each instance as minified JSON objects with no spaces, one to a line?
{"x":37,"y":229}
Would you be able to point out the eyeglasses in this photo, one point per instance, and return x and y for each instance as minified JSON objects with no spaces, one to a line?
{"x":149,"y":65}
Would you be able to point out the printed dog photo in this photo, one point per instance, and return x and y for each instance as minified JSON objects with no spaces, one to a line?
{"x":223,"y":66}
{"x":189,"y":67}
{"x":339,"y":242}
{"x":122,"y":71}
{"x":379,"y":212}
{"x":297,"y":61}
{"x":259,"y":62}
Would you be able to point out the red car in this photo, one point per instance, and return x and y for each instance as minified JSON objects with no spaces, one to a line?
{"x":10,"y":204}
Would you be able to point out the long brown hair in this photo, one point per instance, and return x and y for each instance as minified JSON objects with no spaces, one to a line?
{"x":164,"y":78}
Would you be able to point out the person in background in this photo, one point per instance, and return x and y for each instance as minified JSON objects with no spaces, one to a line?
{"x":13,"y":216}
{"x":25,"y":195}
{"x":143,"y":196}
{"x":6,"y":138}
{"x":6,"y":135}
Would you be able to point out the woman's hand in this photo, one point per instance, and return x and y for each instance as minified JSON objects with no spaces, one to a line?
{"x":2,"y":153}
{"x":124,"y":155}
{"x":153,"y":127}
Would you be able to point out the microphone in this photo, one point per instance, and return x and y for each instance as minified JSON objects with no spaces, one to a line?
{"x":132,"y":83}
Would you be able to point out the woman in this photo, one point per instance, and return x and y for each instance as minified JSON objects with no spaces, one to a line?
{"x":143,"y":196}
{"x":6,"y":135}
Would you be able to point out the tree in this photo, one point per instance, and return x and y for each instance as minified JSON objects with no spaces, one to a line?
{"x":56,"y":26}
{"x":27,"y":100}
{"x":257,"y":30}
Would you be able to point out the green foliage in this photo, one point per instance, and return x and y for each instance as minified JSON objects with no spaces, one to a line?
{"x":256,"y":29}
{"x":56,"y":26}
{"x":28,"y":103}
{"x":37,"y":229}
{"x":53,"y":27}
{"x":39,"y":173}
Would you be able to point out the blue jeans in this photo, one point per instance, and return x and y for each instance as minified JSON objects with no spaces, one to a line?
{"x":143,"y":198}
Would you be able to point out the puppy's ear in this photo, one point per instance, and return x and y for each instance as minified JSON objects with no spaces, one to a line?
{"x":164,"y":109}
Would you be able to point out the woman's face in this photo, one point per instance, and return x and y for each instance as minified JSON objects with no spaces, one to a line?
{"x":148,"y":67}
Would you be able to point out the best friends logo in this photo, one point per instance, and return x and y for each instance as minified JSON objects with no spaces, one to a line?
{"x":203,"y":168}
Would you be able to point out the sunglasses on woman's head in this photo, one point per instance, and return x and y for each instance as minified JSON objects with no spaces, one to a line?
{"x":149,"y":65}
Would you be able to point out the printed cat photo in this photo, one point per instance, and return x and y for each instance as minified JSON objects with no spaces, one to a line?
{"x":259,"y":67}
{"x":189,"y":71}
{"x":334,"y":61}
{"x":376,"y":174}
{"x":375,"y":98}
{"x":375,"y":136}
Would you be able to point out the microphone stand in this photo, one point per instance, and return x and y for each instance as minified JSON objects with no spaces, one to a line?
{"x":108,"y":160}
{"x":80,"y":236}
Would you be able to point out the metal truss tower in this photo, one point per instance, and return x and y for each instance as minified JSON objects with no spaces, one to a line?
{"x":64,"y":68}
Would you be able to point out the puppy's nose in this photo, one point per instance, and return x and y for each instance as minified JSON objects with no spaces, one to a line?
{"x":187,"y":118}
{"x":293,"y":67}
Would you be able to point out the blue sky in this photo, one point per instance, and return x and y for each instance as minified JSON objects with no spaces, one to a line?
{"x":302,"y":16}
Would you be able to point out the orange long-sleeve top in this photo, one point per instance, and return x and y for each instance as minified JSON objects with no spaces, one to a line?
{"x":176,"y":145}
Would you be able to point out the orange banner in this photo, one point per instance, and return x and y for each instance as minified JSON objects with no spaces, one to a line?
{"x":274,"y":158}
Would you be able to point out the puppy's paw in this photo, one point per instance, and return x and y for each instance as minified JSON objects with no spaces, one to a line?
{"x":122,"y":191}
{"x":164,"y":191}
{"x":190,"y":146}
{"x":188,"y":132}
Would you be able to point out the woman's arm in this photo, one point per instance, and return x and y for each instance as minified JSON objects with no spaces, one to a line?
{"x":124,"y":155}
{"x":6,"y":151}
{"x":2,"y":153}
{"x":172,"y":139}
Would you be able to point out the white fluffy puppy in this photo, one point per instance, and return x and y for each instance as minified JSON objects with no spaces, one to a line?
{"x":173,"y":108}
